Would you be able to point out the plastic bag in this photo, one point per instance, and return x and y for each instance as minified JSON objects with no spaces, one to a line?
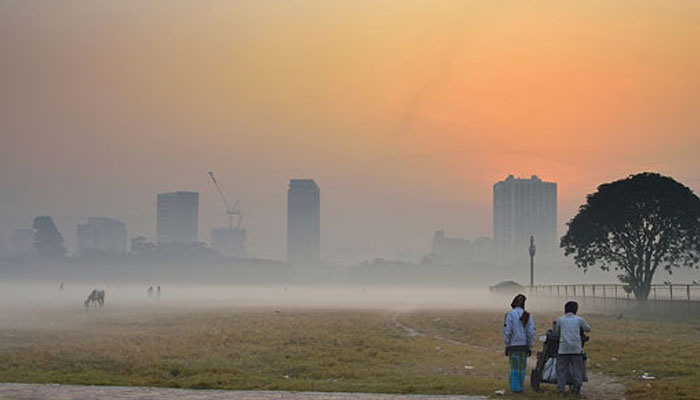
{"x":549,"y":372}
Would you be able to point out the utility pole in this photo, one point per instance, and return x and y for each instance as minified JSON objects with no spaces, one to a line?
{"x":532,"y":250}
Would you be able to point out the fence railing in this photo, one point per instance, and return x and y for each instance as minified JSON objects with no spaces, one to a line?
{"x":675,"y":292}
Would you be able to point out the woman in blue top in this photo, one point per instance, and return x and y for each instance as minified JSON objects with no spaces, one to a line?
{"x":519,"y":337}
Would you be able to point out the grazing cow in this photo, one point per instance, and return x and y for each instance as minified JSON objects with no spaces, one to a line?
{"x":96,"y":297}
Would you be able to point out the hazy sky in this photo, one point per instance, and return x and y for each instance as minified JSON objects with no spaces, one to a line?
{"x":405,"y":112}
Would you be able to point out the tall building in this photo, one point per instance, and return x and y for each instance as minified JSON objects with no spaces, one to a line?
{"x":524,"y":208}
{"x":303,"y":222}
{"x":102,"y":234}
{"x":178,"y":217}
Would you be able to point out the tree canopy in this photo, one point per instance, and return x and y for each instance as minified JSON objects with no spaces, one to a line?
{"x":635,"y":226}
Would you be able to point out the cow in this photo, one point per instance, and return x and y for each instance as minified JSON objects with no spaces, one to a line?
{"x":96,"y":297}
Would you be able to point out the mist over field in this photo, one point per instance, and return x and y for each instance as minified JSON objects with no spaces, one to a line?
{"x":27,"y":296}
{"x":345,"y":196}
{"x":408,"y":144}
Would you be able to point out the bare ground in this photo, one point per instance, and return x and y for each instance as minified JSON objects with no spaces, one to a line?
{"x":17,"y":391}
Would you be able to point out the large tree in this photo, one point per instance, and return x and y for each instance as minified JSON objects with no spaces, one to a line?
{"x":635,"y":226}
{"x":47,"y":239}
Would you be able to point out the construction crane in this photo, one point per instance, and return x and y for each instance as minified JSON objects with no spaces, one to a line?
{"x":231,"y":207}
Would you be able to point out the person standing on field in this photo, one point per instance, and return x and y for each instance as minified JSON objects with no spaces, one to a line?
{"x":519,"y":337}
{"x":570,"y":355}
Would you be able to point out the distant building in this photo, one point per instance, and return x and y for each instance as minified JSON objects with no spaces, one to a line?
{"x":453,"y":251}
{"x":303,"y":222}
{"x":506,"y":288}
{"x":229,"y":242}
{"x":521,"y":208}
{"x":484,"y":251}
{"x":101,"y":234}
{"x":456,"y":251}
{"x":178,"y":217}
{"x":21,"y":242}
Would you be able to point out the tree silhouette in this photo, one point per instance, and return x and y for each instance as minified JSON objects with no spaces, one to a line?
{"x":636,"y":225}
{"x":47,"y":240}
{"x":141,"y":247}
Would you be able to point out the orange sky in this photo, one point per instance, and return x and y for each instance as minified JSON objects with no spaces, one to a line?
{"x":405,"y":112}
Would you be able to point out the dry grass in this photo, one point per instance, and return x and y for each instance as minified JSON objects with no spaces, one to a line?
{"x":668,"y":351}
{"x":321,"y":350}
{"x":621,"y":347}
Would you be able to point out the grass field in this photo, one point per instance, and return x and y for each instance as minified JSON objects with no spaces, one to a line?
{"x":621,"y":347}
{"x":322,"y":350}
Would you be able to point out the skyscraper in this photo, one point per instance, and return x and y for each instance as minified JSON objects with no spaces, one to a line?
{"x":178,"y":217}
{"x":101,"y":234}
{"x":303,"y":222}
{"x":524,"y":208}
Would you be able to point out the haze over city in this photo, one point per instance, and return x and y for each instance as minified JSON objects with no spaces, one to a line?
{"x":349,"y":199}
{"x":405,"y":114}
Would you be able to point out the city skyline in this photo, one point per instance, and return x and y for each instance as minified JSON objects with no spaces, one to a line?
{"x":101,"y":110}
{"x":313,"y":199}
{"x":180,"y":209}
{"x":187,"y":214}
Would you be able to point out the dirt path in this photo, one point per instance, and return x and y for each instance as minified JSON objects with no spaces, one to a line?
{"x":598,"y":387}
{"x":16,"y":391}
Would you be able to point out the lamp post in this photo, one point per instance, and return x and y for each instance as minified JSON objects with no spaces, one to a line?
{"x":532,"y":250}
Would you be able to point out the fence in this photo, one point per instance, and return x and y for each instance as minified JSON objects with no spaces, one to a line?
{"x":662,"y":297}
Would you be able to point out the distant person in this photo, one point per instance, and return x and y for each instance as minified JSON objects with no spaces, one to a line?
{"x":158,"y":292}
{"x":519,"y":337}
{"x":60,"y":287}
{"x":150,"y":292}
{"x":570,"y":355}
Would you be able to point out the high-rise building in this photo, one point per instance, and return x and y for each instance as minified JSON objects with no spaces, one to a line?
{"x":178,"y":217}
{"x":303,"y":222}
{"x":524,"y":208}
{"x":101,"y":234}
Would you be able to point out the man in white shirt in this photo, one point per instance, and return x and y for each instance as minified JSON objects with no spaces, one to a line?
{"x":570,"y":355}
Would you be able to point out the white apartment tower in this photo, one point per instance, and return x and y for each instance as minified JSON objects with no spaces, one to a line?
{"x":524,"y":208}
